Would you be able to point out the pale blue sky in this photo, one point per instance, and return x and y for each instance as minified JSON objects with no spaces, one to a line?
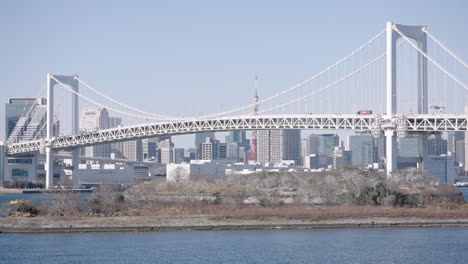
{"x":186,"y":57}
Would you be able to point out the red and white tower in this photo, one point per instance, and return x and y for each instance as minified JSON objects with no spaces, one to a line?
{"x":253,"y":142}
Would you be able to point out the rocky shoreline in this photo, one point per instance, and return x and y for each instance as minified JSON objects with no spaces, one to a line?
{"x":142,"y":223}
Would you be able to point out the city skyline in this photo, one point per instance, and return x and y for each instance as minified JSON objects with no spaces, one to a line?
{"x":205,"y":39}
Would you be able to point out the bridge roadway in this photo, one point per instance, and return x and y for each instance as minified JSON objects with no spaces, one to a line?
{"x":377,"y":124}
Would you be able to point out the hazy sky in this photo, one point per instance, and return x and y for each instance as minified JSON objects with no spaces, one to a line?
{"x":190,"y":57}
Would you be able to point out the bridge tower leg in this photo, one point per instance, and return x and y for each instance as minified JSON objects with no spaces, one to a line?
{"x":51,"y":82}
{"x":49,"y":166}
{"x":390,"y":136}
{"x":75,"y":127}
{"x":417,"y":33}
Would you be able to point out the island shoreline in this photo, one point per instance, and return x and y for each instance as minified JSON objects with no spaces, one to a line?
{"x":74,"y":226}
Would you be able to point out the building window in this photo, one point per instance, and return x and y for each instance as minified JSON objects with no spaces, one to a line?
{"x":19,"y":161}
{"x":19,"y":174}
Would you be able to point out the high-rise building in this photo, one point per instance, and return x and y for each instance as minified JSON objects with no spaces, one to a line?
{"x":327,"y":144}
{"x":460,"y":152}
{"x":115,"y":122}
{"x":316,"y":161}
{"x":253,"y":152}
{"x":149,"y":149}
{"x":178,"y":155}
{"x":380,"y":148}
{"x":442,"y":167}
{"x":133,"y":150}
{"x":437,"y":146}
{"x":452,"y":138}
{"x":341,"y":158}
{"x":291,"y":145}
{"x":314,"y":144}
{"x":408,"y":147}
{"x":362,"y":150}
{"x":166,"y":147}
{"x":17,"y":108}
{"x":232,"y":152}
{"x":201,"y":138}
{"x":210,"y":149}
{"x":273,"y":146}
{"x":268,"y":146}
{"x":116,"y":148}
{"x":238,"y":138}
{"x":93,"y":119}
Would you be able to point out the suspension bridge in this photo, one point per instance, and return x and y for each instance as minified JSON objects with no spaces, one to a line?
{"x":364,"y":79}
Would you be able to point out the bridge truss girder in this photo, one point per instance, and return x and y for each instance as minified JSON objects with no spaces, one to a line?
{"x":376,"y":124}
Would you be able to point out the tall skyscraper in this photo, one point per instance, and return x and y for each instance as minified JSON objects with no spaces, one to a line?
{"x":437,"y":145}
{"x":16,"y":108}
{"x":442,"y":167}
{"x":460,"y":152}
{"x":166,"y":147}
{"x":253,"y":153}
{"x":362,"y":150}
{"x":452,"y":138}
{"x":291,"y":145}
{"x":133,"y":150}
{"x":93,"y":119}
{"x":268,"y":146}
{"x":314,"y":144}
{"x":408,"y":147}
{"x":149,"y":149}
{"x":327,"y":144}
{"x":341,"y":158}
{"x":273,"y":146}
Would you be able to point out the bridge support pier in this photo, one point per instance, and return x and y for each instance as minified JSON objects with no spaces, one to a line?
{"x":75,"y":164}
{"x":49,"y":168}
{"x":391,"y":151}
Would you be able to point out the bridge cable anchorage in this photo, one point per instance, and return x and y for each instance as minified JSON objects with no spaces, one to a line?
{"x":445,"y":47}
{"x":431,"y":59}
{"x":122,"y":104}
{"x":102,"y":105}
{"x":301,"y":83}
{"x":331,"y":84}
